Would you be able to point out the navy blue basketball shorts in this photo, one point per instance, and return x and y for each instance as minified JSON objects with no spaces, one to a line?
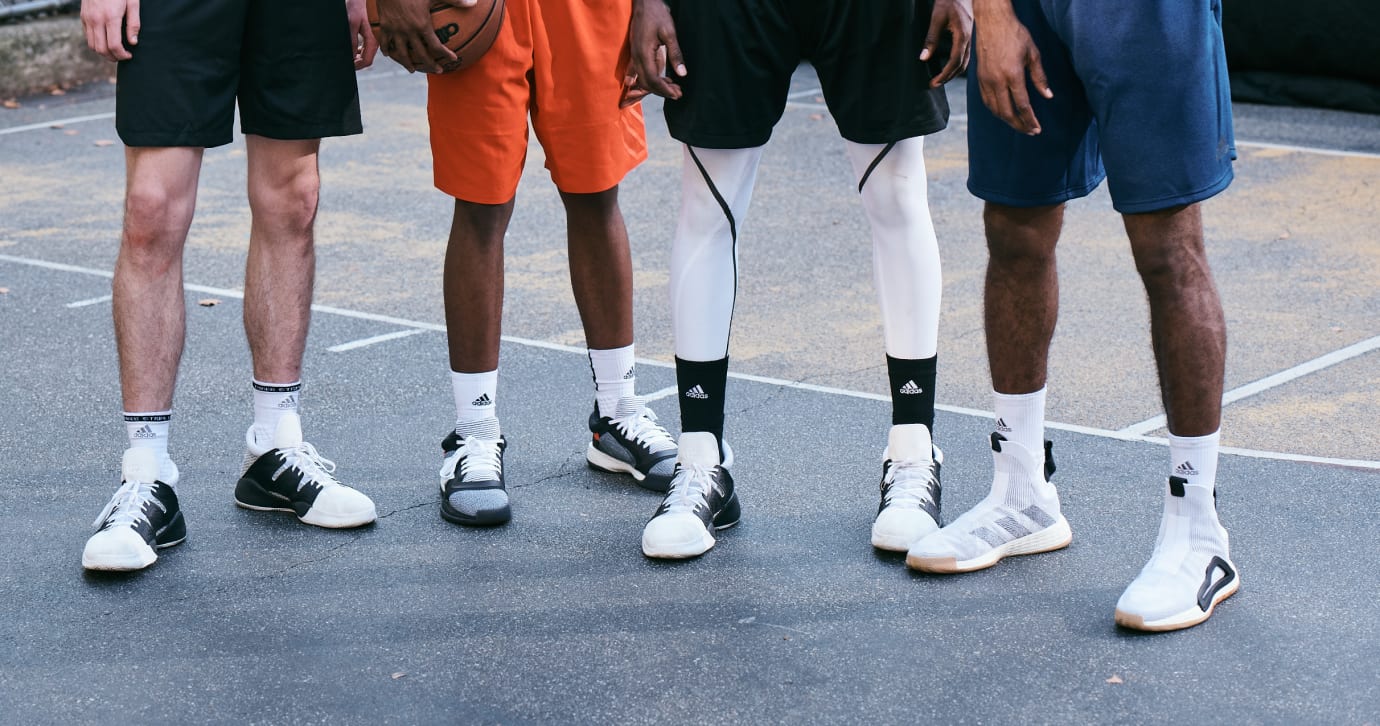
{"x":1140,"y":97}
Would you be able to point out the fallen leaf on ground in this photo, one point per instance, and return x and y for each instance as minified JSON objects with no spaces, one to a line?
{"x":4,"y":291}
{"x":56,"y":126}
{"x":1115,"y":679}
{"x":819,"y":99}
{"x":103,"y":142}
{"x":816,"y":116}
{"x":71,"y":132}
{"x":56,"y":91}
{"x":398,"y":675}
{"x":9,"y":103}
{"x":208,"y":302}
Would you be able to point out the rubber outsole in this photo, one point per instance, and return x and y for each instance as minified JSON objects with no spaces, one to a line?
{"x":1055,"y":537}
{"x":603,"y":462}
{"x":1178,"y":621}
{"x":139,"y":562}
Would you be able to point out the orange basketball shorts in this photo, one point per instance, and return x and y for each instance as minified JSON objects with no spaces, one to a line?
{"x":562,"y":63}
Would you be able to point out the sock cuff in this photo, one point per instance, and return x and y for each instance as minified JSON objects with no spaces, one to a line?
{"x":264,"y":387}
{"x":611,"y":352}
{"x":1017,"y":398}
{"x":1196,"y":442}
{"x":147,"y":416}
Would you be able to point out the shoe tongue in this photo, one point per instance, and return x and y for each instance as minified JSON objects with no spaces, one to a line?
{"x":484,"y":428}
{"x":289,"y":432}
{"x":699,"y":447}
{"x":629,"y":406}
{"x":910,"y":442}
{"x":139,"y":464}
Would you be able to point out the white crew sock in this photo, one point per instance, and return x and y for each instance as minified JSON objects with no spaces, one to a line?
{"x":615,"y":377}
{"x":271,"y":401}
{"x":476,"y":396}
{"x":1194,"y":458}
{"x":1021,"y":418}
{"x":149,"y":430}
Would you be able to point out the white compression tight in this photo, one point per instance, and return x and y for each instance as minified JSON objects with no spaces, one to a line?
{"x":905,"y":252}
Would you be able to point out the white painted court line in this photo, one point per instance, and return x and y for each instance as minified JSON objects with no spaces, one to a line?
{"x":806,"y":92}
{"x":666,"y":392}
{"x":797,"y":385}
{"x":362,"y":342}
{"x":92,"y":301}
{"x":55,"y":122}
{"x":1268,"y":382}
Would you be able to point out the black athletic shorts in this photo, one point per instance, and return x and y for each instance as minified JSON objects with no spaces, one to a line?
{"x":290,"y":63}
{"x":740,"y":54}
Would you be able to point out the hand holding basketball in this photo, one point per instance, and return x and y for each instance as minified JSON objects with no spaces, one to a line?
{"x":435,"y":36}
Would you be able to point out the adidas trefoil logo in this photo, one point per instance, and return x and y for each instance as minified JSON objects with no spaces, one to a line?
{"x":144,"y":432}
{"x":483,"y":400}
{"x":1002,"y":427}
{"x":1185,"y":469}
{"x":696,"y":392}
{"x":631,"y":374}
{"x":910,"y":389}
{"x":289,"y":402}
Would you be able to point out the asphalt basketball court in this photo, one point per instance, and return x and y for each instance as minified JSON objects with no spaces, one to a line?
{"x":557,"y":617}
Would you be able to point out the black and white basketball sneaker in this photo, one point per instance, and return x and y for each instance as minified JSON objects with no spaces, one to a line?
{"x":472,"y":491}
{"x":910,"y":504}
{"x":142,"y":517}
{"x":291,"y":476}
{"x":632,"y":442}
{"x":1190,"y":571}
{"x":700,"y":500}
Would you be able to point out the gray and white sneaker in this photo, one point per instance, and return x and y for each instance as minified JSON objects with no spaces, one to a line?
{"x":701,"y":500}
{"x":632,"y":442}
{"x":1020,"y":516}
{"x":472,"y":490}
{"x":910,"y":504}
{"x":140,"y":519}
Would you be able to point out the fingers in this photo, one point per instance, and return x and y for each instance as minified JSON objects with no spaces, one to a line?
{"x":931,"y":39}
{"x":1022,"y":113}
{"x":674,"y":60}
{"x":1037,"y":74}
{"x":132,"y":22}
{"x":368,"y":48}
{"x":114,"y":40}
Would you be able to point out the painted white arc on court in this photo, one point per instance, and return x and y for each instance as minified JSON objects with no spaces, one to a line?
{"x":797,"y":385}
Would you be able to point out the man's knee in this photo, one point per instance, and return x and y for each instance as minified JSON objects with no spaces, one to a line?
{"x":1022,"y":234}
{"x":156,"y":221}
{"x":287,"y":203}
{"x":1168,"y":248}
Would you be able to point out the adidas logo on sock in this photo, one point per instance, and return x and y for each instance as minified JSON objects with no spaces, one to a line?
{"x":696,"y":392}
{"x":910,"y":389}
{"x":289,"y":402}
{"x":631,"y":374}
{"x":144,"y":432}
{"x":1002,"y":427}
{"x":1185,"y":469}
{"x":483,"y":400}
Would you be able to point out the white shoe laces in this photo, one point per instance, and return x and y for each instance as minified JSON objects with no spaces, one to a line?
{"x":482,"y":461}
{"x":310,"y":463}
{"x":127,"y":506}
{"x":690,"y":487}
{"x":642,"y":426}
{"x":910,"y":483}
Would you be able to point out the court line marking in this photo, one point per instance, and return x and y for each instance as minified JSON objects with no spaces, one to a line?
{"x":57,"y":122}
{"x":1278,"y":379}
{"x":91,"y":301}
{"x":362,"y":342}
{"x":666,"y":392}
{"x":796,"y":385}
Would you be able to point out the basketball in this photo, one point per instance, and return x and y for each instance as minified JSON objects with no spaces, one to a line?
{"x":468,"y":32}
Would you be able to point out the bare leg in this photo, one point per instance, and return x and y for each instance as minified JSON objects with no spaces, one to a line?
{"x":600,"y":267}
{"x":1187,"y":328}
{"x":279,"y":274}
{"x":150,"y":315}
{"x":1022,"y":294}
{"x":474,"y":284}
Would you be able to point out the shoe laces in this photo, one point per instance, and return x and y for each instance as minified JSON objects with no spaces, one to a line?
{"x":910,"y":482}
{"x":478,"y":459}
{"x":641,"y":426}
{"x":309,"y":462}
{"x":690,"y":487}
{"x":127,"y":506}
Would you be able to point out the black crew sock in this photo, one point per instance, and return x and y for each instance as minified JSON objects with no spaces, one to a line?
{"x":702,"y":385}
{"x":912,"y":390}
